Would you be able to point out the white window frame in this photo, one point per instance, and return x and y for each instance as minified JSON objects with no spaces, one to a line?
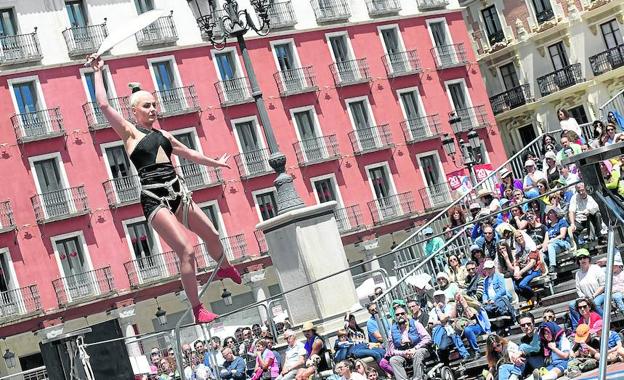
{"x":393,"y":189}
{"x":194,"y":136}
{"x":421,"y":105}
{"x":113,"y":144}
{"x":293,"y":46}
{"x":255,"y":199}
{"x":462,"y":81}
{"x":519,"y":73}
{"x":446,"y":28}
{"x":396,"y":27}
{"x":441,"y":173}
{"x":483,"y":24}
{"x":85,"y":250}
{"x":108,"y":79}
{"x":157,"y":244}
{"x":222,"y":229}
{"x":13,"y":285}
{"x":260,"y":135}
{"x":349,"y":45}
{"x":174,"y":67}
{"x":229,"y":49}
{"x":375,"y":133}
{"x":64,"y":179}
{"x":334,"y":182}
{"x":38,"y":89}
{"x":317,"y":128}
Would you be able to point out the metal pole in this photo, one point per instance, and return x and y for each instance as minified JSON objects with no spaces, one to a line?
{"x":606,"y":315}
{"x":287,"y":197}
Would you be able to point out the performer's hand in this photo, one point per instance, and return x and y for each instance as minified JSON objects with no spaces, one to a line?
{"x":96,"y":62}
{"x":222,"y":161}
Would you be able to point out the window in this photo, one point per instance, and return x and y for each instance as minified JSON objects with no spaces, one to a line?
{"x":211,"y":210}
{"x":410,"y":102}
{"x":312,"y":146}
{"x":267,"y":205}
{"x":253,"y":155}
{"x":383,"y":191}
{"x":458,"y":96}
{"x":193,"y":173}
{"x":325,"y":190}
{"x":438,"y":33}
{"x":125,"y":185}
{"x":611,"y":34}
{"x":434,"y":179}
{"x":287,"y":63}
{"x":51,"y":186}
{"x":381,"y":185}
{"x":285,"y":56}
{"x":90,"y":87}
{"x":578,"y":113}
{"x":6,"y":277}
{"x":148,"y":263}
{"x":527,"y":135}
{"x":76,"y":13}
{"x":28,"y":102}
{"x":143,"y":6}
{"x":341,"y":51}
{"x":509,"y":76}
{"x":543,"y":10}
{"x":367,"y":135}
{"x":558,"y":56}
{"x":417,"y":125}
{"x":492,"y":25}
{"x":233,"y":88}
{"x":168,"y":83}
{"x":394,"y":48}
{"x":226,"y":64}
{"x":10,"y":300}
{"x":74,"y":266}
{"x":8,"y":27}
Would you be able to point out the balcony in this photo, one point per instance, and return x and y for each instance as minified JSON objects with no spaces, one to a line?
{"x":427,"y":5}
{"x":471,"y":118}
{"x":95,"y":117}
{"x":508,"y":100}
{"x":83,"y":287}
{"x":331,"y":10}
{"x":447,"y":56}
{"x":496,"y":37}
{"x":235,"y":247}
{"x":295,"y":81}
{"x":123,"y":191}
{"x":177,"y":101}
{"x":234,"y":91}
{"x":402,"y":63}
{"x":382,"y":7}
{"x":263,"y":248}
{"x":545,"y":15}
{"x":253,"y":163}
{"x":350,"y":72}
{"x":421,"y":128}
{"x":38,"y":125}
{"x":282,"y":15}
{"x":349,"y":219}
{"x":20,"y":48}
{"x":84,"y":40}
{"x":371,"y":139}
{"x":607,"y":60}
{"x":60,"y":204}
{"x":151,"y":269}
{"x":17,"y":303}
{"x":203,"y":261}
{"x":435,"y":196}
{"x":392,"y":207}
{"x":200,"y":177}
{"x":7,"y":222}
{"x":315,"y":150}
{"x":160,"y":32}
{"x":560,"y":79}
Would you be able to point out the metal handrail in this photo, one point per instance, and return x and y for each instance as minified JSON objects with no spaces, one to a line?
{"x":619,"y":98}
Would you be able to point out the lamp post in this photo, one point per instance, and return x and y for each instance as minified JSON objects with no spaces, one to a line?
{"x":469,"y":149}
{"x":236,"y":23}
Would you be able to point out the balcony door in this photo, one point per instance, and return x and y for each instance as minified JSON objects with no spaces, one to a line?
{"x":442,"y":42}
{"x":126,"y":186}
{"x":292,"y":78}
{"x":366,"y":133}
{"x":431,"y":170}
{"x":170,"y":96}
{"x":78,"y":21}
{"x":78,"y":279}
{"x":97,"y":112}
{"x":418,"y":126}
{"x":613,"y":41}
{"x":254,"y":158}
{"x":347,"y":68}
{"x":493,"y":27}
{"x":558,"y":56}
{"x":10,"y":299}
{"x":267,"y":204}
{"x":143,"y":6}
{"x":386,"y":204}
{"x":311,"y":144}
{"x":543,"y":10}
{"x":461,"y":104}
{"x":28,"y":106}
{"x":55,"y":198}
{"x":10,"y":44}
{"x":148,"y":264}
{"x":212,"y":212}
{"x":234,"y":88}
{"x":192,"y":172}
{"x":397,"y":58}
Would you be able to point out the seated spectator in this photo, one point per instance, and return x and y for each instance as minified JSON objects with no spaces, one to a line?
{"x":433,"y":246}
{"x":617,"y":292}
{"x":547,"y":141}
{"x":346,"y":370}
{"x":518,"y":218}
{"x":278,"y":357}
{"x":234,"y":367}
{"x":615,"y":350}
{"x":505,"y":231}
{"x":360,"y":367}
{"x":410,"y":341}
{"x":423,"y":293}
{"x":543,"y":188}
{"x":372,"y":374}
{"x":530,"y":344}
{"x":456,"y":272}
{"x":557,"y":228}
{"x":588,"y":315}
{"x":449,"y":288}
{"x":361,"y":348}
{"x":342,"y":345}
{"x":550,"y":167}
{"x":475,"y":209}
{"x":537,"y":232}
{"x":154,"y":361}
{"x":557,"y":349}
{"x":531,"y":178}
{"x":372,"y":326}
{"x":610,"y":135}
{"x":504,"y":259}
{"x":230,"y":342}
{"x":518,"y":199}
{"x":294,"y":356}
{"x":568,"y":149}
{"x":505,"y":361}
{"x":474,"y":281}
{"x":488,"y":201}
{"x":487,"y":243}
{"x":538,"y":207}
{"x":495,"y":301}
{"x":266,"y":365}
{"x":589,"y":280}
{"x":508,"y":182}
{"x":611,"y":175}
{"x":167,"y":369}
{"x":418,"y":313}
{"x":566,"y":177}
{"x":585,"y":352}
{"x":477,"y":256}
{"x":457,"y":216}
{"x":471,"y":321}
{"x":442,"y":332}
{"x":314,"y":345}
{"x":584,"y":215}
{"x":527,"y":265}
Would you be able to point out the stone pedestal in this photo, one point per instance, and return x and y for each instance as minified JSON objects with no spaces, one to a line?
{"x":305,"y":245}
{"x":126,"y":316}
{"x":255,"y":281}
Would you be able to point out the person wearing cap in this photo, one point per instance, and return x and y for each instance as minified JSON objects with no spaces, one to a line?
{"x":477,"y":255}
{"x":508,"y":182}
{"x":442,"y":331}
{"x":449,"y":288}
{"x":585,"y":352}
{"x":496,"y":300}
{"x":488,"y":242}
{"x":488,"y":200}
{"x":589,"y":283}
{"x":584,"y":214}
{"x":294,"y":357}
{"x":557,"y":229}
{"x":474,"y":209}
{"x":617,"y":292}
{"x":529,"y":185}
{"x":410,"y":340}
{"x":550,"y":167}
{"x":557,"y":349}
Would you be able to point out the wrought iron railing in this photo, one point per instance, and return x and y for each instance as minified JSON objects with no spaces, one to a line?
{"x":152,"y":268}
{"x":331,"y":10}
{"x":200,"y":177}
{"x":160,"y":32}
{"x":316,"y":149}
{"x":15,"y":303}
{"x":421,"y":128}
{"x":253,"y":163}
{"x":496,"y":37}
{"x":349,"y":219}
{"x":471,"y":118}
{"x":607,"y":60}
{"x":295,"y":81}
{"x":371,"y":139}
{"x":233,"y":91}
{"x":235,"y":247}
{"x":20,"y":48}
{"x":95,"y":117}
{"x":177,"y":101}
{"x":83,"y":40}
{"x":545,"y":15}
{"x":392,"y":207}
{"x":122,"y":191}
{"x":350,"y":72}
{"x":435,"y":196}
{"x":426,"y":5}
{"x":447,"y":56}
{"x":560,"y":79}
{"x":508,"y":100}
{"x":60,"y":204}
{"x":83,"y":286}
{"x":203,"y":260}
{"x":39,"y":373}
{"x":7,"y":221}
{"x":382,"y":7}
{"x":38,"y":125}
{"x":282,"y":15}
{"x":402,"y":63}
{"x":263,"y":247}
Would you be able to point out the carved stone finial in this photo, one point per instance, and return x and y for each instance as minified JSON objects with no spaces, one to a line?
{"x":520,"y":30}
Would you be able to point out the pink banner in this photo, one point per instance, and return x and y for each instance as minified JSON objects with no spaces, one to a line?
{"x":482,"y":171}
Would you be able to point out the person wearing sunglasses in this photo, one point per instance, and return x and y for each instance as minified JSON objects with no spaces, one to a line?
{"x":557,"y":348}
{"x":588,"y":315}
{"x":549,"y":315}
{"x":505,"y":360}
{"x":410,"y":339}
{"x":530,"y":344}
{"x":589,"y":282}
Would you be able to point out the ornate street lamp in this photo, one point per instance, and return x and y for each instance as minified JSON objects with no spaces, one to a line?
{"x":232,"y":22}
{"x":468,"y":150}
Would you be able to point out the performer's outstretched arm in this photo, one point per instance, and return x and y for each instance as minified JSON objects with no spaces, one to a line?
{"x":182,"y":150}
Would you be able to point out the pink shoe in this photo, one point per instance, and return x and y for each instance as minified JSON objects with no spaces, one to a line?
{"x":231,"y":273}
{"x":202,"y":315}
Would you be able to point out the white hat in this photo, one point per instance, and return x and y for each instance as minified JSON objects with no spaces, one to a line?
{"x":489,"y":264}
{"x":439,"y":293}
{"x":529,"y":163}
{"x":442,"y":275}
{"x":550,"y":154}
{"x":504,"y":172}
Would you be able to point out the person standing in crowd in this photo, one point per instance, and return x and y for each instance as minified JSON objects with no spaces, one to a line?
{"x":568,"y":123}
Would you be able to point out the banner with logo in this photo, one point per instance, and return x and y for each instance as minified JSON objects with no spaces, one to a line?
{"x":459,"y":181}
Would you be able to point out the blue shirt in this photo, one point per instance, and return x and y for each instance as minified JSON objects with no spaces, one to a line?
{"x":372,"y":327}
{"x":614,"y":338}
{"x":554,"y":229}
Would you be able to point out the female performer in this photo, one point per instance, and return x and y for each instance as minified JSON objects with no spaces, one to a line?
{"x":167,"y":205}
